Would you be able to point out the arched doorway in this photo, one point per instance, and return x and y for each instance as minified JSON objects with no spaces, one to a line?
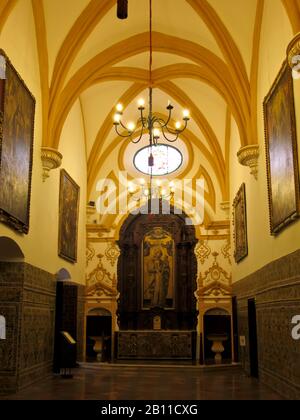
{"x":217,"y":329}
{"x":157,"y":271}
{"x":10,"y":251}
{"x":99,"y":336}
{"x":65,"y":321}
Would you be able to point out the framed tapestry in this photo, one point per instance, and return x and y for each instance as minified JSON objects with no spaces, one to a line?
{"x":68,"y":217}
{"x":240,"y":225}
{"x":17,"y":111}
{"x":158,"y":270}
{"x":282,"y":152}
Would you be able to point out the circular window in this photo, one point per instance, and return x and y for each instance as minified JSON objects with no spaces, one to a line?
{"x":167,"y":159}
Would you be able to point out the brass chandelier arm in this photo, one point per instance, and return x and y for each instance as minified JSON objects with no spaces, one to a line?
{"x":127,"y":136}
{"x":140,"y":137}
{"x":123,"y":126}
{"x":143,"y":120}
{"x":163,"y":123}
{"x":167,"y":138}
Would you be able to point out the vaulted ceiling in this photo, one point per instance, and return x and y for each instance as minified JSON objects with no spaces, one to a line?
{"x":205,"y":59}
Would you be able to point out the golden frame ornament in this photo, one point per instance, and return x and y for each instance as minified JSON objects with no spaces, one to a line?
{"x":282,"y":152}
{"x":17,"y":117}
{"x":240,"y":225}
{"x":69,"y":199}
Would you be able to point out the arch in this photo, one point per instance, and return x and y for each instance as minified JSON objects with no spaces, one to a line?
{"x":165,"y":74}
{"x":99,"y":312}
{"x":80,"y":31}
{"x":99,"y":334}
{"x":292,"y":8}
{"x":95,"y":12}
{"x":6,"y":7}
{"x":63,"y":275}
{"x":225,"y":41}
{"x":117,"y":221}
{"x":157,"y":244}
{"x":42,"y":50}
{"x":217,"y":312}
{"x":217,"y":323}
{"x":130,"y":47}
{"x":216,"y":159}
{"x":189,"y":139}
{"x":10,"y":251}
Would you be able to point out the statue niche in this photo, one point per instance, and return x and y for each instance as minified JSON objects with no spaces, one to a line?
{"x":157,"y":271}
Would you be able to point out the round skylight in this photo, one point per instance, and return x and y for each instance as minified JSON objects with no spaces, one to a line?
{"x":167,"y":159}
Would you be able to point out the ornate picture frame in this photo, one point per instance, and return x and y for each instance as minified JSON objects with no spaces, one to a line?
{"x":158,"y":271}
{"x":69,"y":197}
{"x":282,"y":152}
{"x":17,"y":116}
{"x":240,"y":225}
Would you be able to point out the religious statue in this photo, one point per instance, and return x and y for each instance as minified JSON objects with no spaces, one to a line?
{"x":158,"y":268}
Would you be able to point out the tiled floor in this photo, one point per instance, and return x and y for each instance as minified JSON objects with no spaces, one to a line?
{"x":149,"y":383}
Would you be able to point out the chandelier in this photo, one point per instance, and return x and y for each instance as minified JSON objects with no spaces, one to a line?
{"x":149,"y":191}
{"x":156,"y":127}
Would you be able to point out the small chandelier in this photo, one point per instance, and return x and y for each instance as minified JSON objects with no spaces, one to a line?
{"x":154,"y":125}
{"x":149,"y":191}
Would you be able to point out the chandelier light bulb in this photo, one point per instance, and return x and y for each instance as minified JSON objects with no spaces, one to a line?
{"x":178,"y":125}
{"x":156,"y":133}
{"x":131,"y":188}
{"x":141,"y":103}
{"x":119,"y":108}
{"x":186,"y":113}
{"x":117,"y":118}
{"x":131,"y":127}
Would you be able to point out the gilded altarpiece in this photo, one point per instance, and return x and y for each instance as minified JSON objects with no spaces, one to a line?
{"x":157,"y":272}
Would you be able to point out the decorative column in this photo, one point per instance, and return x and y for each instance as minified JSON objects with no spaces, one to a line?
{"x":248,"y":156}
{"x":51,"y":159}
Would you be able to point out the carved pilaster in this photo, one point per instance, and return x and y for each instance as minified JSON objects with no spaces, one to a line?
{"x":225,"y":206}
{"x":248,"y":156}
{"x":51,"y":159}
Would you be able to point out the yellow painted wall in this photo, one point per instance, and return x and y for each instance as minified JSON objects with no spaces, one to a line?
{"x":40,"y":246}
{"x":263,"y":248}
